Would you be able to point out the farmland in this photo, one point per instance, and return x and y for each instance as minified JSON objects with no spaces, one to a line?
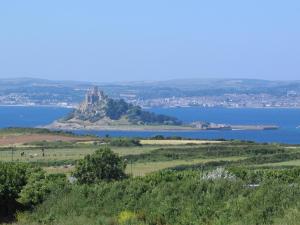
{"x":59,"y":152}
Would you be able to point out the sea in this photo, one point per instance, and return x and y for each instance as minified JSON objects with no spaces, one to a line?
{"x":287,"y":119}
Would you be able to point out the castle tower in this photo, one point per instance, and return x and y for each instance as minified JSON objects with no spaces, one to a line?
{"x":93,"y":96}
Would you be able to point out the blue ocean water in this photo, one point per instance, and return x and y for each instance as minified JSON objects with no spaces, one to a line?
{"x":287,"y":119}
{"x":20,"y":116}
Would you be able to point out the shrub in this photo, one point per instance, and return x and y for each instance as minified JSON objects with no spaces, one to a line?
{"x":13,"y":177}
{"x":39,"y":186}
{"x":172,"y":197}
{"x":125,"y":142}
{"x":23,"y":186}
{"x":103,"y":165}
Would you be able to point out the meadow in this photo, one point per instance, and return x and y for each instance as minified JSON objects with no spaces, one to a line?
{"x":58,"y":152}
{"x":150,"y":156}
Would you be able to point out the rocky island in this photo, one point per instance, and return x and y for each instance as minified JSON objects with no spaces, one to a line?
{"x":99,"y":112}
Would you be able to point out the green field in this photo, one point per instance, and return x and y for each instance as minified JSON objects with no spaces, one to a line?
{"x":62,"y":156}
{"x":153,"y":155}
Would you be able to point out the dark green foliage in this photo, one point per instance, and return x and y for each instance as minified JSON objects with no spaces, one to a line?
{"x":185,"y":198}
{"x":137,"y":116}
{"x":256,"y":176}
{"x":158,"y":137}
{"x":39,"y":186}
{"x":22,"y":186}
{"x":27,"y":130}
{"x":13,"y":177}
{"x":47,"y":163}
{"x":257,"y":153}
{"x":52,"y":144}
{"x":125,"y":142}
{"x":280,"y":157}
{"x":103,"y":165}
{"x":116,"y":108}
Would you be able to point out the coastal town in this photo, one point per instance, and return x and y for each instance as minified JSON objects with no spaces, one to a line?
{"x":290,"y":100}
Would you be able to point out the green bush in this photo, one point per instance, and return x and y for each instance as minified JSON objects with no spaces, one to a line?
{"x":23,"y":186}
{"x":39,"y":186}
{"x":13,"y":177}
{"x":125,"y":142}
{"x":102,"y":165}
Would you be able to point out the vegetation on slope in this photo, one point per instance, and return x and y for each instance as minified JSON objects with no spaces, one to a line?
{"x":23,"y":186}
{"x":186,"y":198}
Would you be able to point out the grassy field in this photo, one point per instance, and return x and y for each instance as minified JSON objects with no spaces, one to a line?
{"x":141,"y":169}
{"x":69,"y":152}
{"x":152,"y":155}
{"x":34,"y":153}
{"x":293,"y":163}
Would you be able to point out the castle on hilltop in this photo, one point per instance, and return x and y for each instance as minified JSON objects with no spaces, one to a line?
{"x":93,"y":96}
{"x":93,"y":103}
{"x":99,"y":108}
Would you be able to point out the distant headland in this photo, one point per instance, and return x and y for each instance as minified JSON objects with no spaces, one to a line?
{"x":99,"y":112}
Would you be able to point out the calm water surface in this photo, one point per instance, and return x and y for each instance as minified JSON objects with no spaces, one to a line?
{"x":287,"y":119}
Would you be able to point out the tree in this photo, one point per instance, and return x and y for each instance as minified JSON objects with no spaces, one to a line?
{"x":103,"y":165}
{"x":39,"y":186}
{"x":13,"y":177}
{"x":24,"y":186}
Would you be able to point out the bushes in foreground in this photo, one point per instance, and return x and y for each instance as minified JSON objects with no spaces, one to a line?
{"x":187,"y":198}
{"x":22,"y":186}
{"x":13,"y":177}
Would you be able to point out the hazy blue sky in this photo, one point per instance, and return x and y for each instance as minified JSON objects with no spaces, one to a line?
{"x":149,"y":40}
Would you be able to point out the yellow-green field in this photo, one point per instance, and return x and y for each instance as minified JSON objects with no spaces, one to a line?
{"x":141,"y":169}
{"x":59,"y":153}
{"x":35,"y":153}
{"x":286,"y":163}
{"x":176,"y":142}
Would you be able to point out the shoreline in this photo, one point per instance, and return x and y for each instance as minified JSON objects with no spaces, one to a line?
{"x":154,"y":128}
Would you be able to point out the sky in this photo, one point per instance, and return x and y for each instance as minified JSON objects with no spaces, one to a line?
{"x":95,"y":40}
